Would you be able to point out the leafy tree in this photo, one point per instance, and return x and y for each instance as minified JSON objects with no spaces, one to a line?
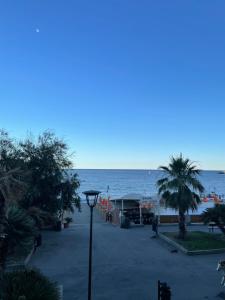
{"x":8,"y":151}
{"x":215,"y":214}
{"x":32,"y":175}
{"x":46,"y":159}
{"x":69,"y":195}
{"x":180,"y":188}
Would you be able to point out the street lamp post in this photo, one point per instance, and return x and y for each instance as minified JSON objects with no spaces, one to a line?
{"x":92,"y":198}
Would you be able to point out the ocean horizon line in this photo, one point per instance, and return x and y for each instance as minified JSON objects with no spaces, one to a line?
{"x":131,"y":169}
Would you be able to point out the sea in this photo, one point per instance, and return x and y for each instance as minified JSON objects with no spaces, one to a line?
{"x":117,"y":183}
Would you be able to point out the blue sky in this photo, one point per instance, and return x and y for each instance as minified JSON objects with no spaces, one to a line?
{"x":126,"y":83}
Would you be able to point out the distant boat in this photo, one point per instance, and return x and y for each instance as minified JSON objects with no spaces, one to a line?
{"x":221,"y":172}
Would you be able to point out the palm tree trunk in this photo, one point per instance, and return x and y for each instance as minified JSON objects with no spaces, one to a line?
{"x":182,"y":226}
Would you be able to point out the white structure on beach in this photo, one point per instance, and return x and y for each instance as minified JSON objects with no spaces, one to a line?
{"x":153,"y":203}
{"x":137,"y":201}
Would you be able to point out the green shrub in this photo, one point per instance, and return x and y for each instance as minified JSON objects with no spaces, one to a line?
{"x":20,"y":230}
{"x":29,"y":285}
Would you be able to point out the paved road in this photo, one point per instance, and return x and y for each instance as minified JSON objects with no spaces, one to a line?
{"x":126,"y":264}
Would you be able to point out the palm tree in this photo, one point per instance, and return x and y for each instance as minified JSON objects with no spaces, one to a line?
{"x":20,"y":229}
{"x":180,"y":188}
{"x":215,"y":214}
{"x":11,"y":189}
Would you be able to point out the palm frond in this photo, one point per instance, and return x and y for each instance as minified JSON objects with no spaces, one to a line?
{"x":165,"y":169}
{"x":171,"y":200}
{"x":174,"y":184}
{"x":20,"y":229}
{"x":195,"y":184}
{"x":162,"y":181}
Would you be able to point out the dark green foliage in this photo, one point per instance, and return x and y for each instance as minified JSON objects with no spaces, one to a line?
{"x":20,"y":230}
{"x":11,"y":190}
{"x":40,"y":217}
{"x":69,"y":197}
{"x":29,"y":285}
{"x":31,"y":176}
{"x":46,"y":159}
{"x":8,"y":152}
{"x":43,"y":163}
{"x":215,"y":214}
{"x":180,"y":188}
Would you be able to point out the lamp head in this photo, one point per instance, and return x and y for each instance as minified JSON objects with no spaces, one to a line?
{"x":91,"y":197}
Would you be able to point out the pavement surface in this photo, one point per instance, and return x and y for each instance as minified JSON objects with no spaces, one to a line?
{"x":126,"y":263}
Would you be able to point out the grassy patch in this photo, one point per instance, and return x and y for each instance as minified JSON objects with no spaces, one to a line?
{"x":198,"y":240}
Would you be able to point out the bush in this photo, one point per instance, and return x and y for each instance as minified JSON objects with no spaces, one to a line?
{"x":20,"y":230}
{"x":29,"y":285}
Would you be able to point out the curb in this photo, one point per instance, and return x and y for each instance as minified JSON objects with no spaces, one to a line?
{"x":175,"y":224}
{"x":172,"y":243}
{"x":193,"y":252}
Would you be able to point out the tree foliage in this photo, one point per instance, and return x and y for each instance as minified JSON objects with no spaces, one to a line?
{"x":32,"y":179}
{"x":11,"y":190}
{"x":215,"y":214}
{"x":180,"y":188}
{"x":40,"y":163}
{"x":20,"y":230}
{"x":46,"y":160}
{"x":8,"y":152}
{"x":69,"y":196}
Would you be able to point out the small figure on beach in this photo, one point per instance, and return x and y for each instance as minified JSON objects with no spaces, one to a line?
{"x":155,"y":226}
{"x":109,"y":217}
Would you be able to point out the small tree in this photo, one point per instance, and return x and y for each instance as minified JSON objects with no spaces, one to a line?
{"x":180,"y":188}
{"x":46,"y":159}
{"x":215,"y":214}
{"x":70,"y":197}
{"x":8,"y":152}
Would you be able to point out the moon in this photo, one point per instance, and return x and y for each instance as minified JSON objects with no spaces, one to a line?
{"x":37,"y":30}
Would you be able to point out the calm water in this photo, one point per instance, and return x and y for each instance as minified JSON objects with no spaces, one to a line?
{"x":121,"y":182}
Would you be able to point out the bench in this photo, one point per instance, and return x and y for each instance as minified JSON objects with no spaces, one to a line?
{"x":213,"y":225}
